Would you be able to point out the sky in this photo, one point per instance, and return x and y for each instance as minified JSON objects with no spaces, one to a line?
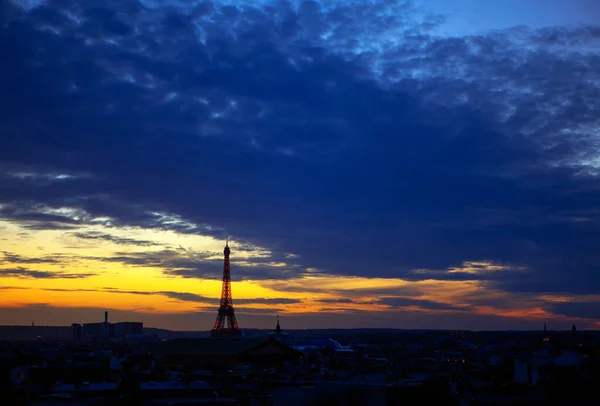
{"x":382,"y":163}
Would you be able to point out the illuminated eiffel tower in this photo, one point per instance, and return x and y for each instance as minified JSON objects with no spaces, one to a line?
{"x":226,"y":324}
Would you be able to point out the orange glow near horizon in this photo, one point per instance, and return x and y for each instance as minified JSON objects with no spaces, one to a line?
{"x":147,"y":288}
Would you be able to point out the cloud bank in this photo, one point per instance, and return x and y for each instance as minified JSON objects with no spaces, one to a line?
{"x":358,"y":137}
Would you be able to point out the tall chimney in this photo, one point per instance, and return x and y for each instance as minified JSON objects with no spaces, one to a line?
{"x":106,"y":317}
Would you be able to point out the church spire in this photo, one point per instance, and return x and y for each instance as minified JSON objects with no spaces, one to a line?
{"x":278,"y":328}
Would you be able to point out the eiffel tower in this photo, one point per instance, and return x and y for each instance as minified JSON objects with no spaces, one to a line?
{"x":226,"y":324}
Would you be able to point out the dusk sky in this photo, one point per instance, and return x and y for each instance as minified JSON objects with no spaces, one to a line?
{"x":376,"y":163}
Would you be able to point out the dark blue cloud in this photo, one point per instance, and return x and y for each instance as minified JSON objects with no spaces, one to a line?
{"x":585,"y":310}
{"x":277,"y":125}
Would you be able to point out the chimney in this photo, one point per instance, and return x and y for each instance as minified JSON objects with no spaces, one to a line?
{"x":106,"y":317}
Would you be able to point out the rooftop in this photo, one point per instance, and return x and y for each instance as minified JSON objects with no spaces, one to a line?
{"x":213,"y":346}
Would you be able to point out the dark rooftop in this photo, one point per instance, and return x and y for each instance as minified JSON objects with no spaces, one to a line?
{"x":214,"y":346}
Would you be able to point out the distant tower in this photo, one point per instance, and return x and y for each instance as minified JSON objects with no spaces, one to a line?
{"x":226,"y":324}
{"x":105,"y":327}
{"x":280,"y":335}
{"x":545,"y":329}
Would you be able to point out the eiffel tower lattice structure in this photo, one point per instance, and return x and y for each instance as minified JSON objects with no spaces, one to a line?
{"x":226,"y":325}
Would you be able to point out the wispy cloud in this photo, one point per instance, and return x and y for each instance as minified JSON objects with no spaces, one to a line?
{"x":12,"y":258}
{"x":183,"y":296}
{"x":275,"y":301}
{"x":114,"y":239}
{"x":400,"y":302}
{"x":24,"y":273}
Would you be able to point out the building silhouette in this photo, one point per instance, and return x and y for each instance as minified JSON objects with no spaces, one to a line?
{"x":76,"y":332}
{"x":106,"y":331}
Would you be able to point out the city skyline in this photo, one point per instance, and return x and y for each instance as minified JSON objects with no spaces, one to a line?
{"x":396,"y":164}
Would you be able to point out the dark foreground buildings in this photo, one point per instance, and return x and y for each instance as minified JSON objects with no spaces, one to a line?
{"x":319,"y":367}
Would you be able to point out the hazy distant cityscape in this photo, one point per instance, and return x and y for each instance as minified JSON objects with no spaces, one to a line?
{"x":290,"y":367}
